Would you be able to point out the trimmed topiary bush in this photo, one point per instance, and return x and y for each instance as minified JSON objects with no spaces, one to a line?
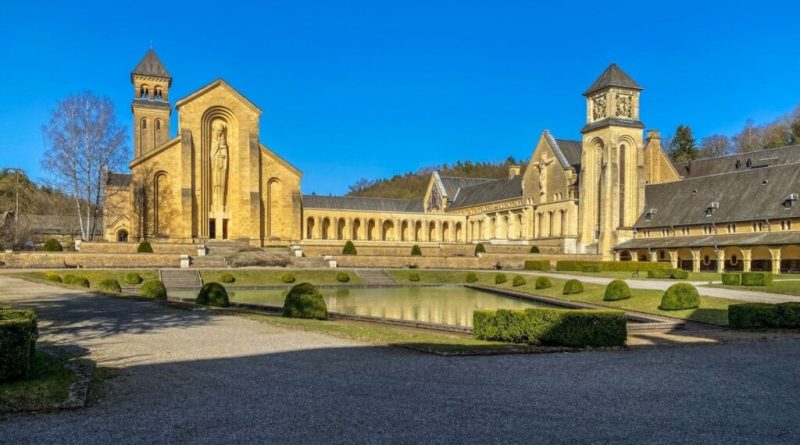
{"x":349,"y":248}
{"x":342,"y":277}
{"x":52,"y":245}
{"x":413,"y":276}
{"x":74,"y":280}
{"x":144,"y":247}
{"x":573,"y":287}
{"x":132,"y":278}
{"x":416,"y":251}
{"x":764,"y":315}
{"x":563,"y":327}
{"x":110,"y":285}
{"x":288,"y":277}
{"x":479,"y":249}
{"x":213,"y":294}
{"x":534,"y":249}
{"x":227,"y":278}
{"x":658,"y":274}
{"x":679,"y":274}
{"x":543,"y":283}
{"x":756,"y":279}
{"x":537,"y":265}
{"x":732,"y":279}
{"x":617,"y":290}
{"x":518,"y":281}
{"x":153,"y":289}
{"x":52,"y":277}
{"x":680,"y":296}
{"x":18,"y":334}
{"x":471,"y":277}
{"x":500,"y":278}
{"x":305,"y":301}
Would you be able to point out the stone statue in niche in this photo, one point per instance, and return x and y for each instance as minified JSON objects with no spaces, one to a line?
{"x":624,"y":106}
{"x":599,"y":107}
{"x":219,"y":163}
{"x":541,"y":166}
{"x":435,"y":201}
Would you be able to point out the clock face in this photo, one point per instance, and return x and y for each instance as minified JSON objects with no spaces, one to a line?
{"x":599,"y":107}
{"x":624,"y":107}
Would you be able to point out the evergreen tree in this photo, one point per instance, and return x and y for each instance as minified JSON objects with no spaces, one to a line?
{"x":682,"y":147}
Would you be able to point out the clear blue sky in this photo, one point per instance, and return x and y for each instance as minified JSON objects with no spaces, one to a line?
{"x":369,"y":89}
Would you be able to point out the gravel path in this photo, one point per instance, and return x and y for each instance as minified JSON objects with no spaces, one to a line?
{"x":195,"y":377}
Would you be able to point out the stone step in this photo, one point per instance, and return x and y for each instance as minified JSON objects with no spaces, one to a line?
{"x":180,"y":279}
{"x":308,"y":262}
{"x":378,"y":277}
{"x":209,"y":262}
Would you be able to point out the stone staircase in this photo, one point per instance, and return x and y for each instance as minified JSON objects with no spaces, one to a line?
{"x":180,"y":279}
{"x":375,"y":277}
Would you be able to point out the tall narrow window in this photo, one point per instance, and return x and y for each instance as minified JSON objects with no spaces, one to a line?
{"x":144,"y":124}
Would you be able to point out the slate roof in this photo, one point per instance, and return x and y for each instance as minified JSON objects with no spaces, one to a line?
{"x":735,"y":239}
{"x":453,"y":183}
{"x":151,"y":65}
{"x":613,"y":76}
{"x":359,"y":203}
{"x":753,"y":194}
{"x":728,"y":164}
{"x":118,"y":180}
{"x":491,"y":191}
{"x":52,"y":224}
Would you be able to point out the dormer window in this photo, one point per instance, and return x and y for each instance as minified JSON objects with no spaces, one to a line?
{"x":649,"y":214}
{"x":790,"y":200}
{"x":711,"y":208}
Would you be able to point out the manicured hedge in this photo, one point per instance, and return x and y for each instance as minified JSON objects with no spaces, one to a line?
{"x":144,"y":247}
{"x":611,"y":266}
{"x":132,"y":278}
{"x":52,"y":245}
{"x":534,"y":249}
{"x":617,"y":290}
{"x":679,"y":274}
{"x":349,"y":249}
{"x":413,"y":276}
{"x":590,"y":268}
{"x":479,"y":249}
{"x":756,"y":279}
{"x":537,"y":265}
{"x":732,"y":279}
{"x":305,"y":301}
{"x":563,"y":327}
{"x":416,"y":251}
{"x":764,"y":315}
{"x":680,"y":296}
{"x":18,"y":333}
{"x":227,"y":278}
{"x":674,"y":274}
{"x":500,"y":278}
{"x":213,"y":294}
{"x":573,"y":287}
{"x":543,"y":283}
{"x":471,"y":277}
{"x":288,"y":277}
{"x":110,"y":285}
{"x":518,"y":281}
{"x":153,"y":289}
{"x":342,"y":277}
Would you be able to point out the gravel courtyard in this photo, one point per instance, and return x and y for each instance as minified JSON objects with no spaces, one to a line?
{"x":196,"y":377}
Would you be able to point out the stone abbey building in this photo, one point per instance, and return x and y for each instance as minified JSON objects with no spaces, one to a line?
{"x":612,"y":193}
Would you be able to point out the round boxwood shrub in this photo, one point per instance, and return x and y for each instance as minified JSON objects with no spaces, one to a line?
{"x":617,"y":290}
{"x":288,"y":277}
{"x":110,"y":285}
{"x":518,"y":281}
{"x":413,"y":276}
{"x":680,"y":296}
{"x":213,"y":294}
{"x":52,"y":277}
{"x":227,"y":278}
{"x":305,"y":301}
{"x":479,"y":249}
{"x":543,"y":283}
{"x":534,"y":249}
{"x":144,"y":247}
{"x":132,"y":278}
{"x":52,"y":245}
{"x":573,"y":287}
{"x":416,"y":251}
{"x":342,"y":277}
{"x":348,"y":249}
{"x":153,"y":289}
{"x":18,"y":333}
{"x":500,"y":278}
{"x":471,"y":277}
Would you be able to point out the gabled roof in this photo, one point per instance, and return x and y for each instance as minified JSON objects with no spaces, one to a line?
{"x":359,"y":203}
{"x":734,"y":239}
{"x":613,"y":76}
{"x":485,"y":192}
{"x":451,"y":184}
{"x":567,"y":151}
{"x":739,"y":162}
{"x":118,"y":179}
{"x":151,"y":65}
{"x":215,"y":84}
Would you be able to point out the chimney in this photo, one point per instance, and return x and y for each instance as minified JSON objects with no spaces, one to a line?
{"x":513,"y":170}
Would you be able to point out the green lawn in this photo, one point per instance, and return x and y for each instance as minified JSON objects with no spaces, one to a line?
{"x":784,"y":286}
{"x":253,"y":277}
{"x":47,"y":383}
{"x":693,"y":276}
{"x":94,"y":276}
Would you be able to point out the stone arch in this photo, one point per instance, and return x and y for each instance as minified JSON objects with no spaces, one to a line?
{"x":387,"y":230}
{"x":341,"y":225}
{"x":708,"y":259}
{"x":490,"y":227}
{"x":761,"y":259}
{"x":417,"y":230}
{"x":459,"y":233}
{"x":405,"y":231}
{"x":550,"y":224}
{"x":207,"y":203}
{"x":122,"y":235}
{"x":519,"y":224}
{"x":326,"y":228}
{"x":161,"y":204}
{"x":310,"y":223}
{"x":685,"y":258}
{"x":540,"y":217}
{"x":790,"y":258}
{"x":625,"y":255}
{"x":446,"y":232}
{"x":642,"y":255}
{"x":356,"y":229}
{"x":144,"y":91}
{"x":432,"y":231}
{"x":371,"y":230}
{"x":273,"y":202}
{"x":564,"y":223}
{"x":734,"y":259}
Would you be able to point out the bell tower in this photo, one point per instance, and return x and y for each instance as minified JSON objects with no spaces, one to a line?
{"x":150,"y":106}
{"x":612,"y":171}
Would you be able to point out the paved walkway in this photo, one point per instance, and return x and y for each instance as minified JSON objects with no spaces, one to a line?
{"x":196,"y":377}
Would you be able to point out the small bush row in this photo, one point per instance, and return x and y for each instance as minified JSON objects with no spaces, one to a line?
{"x":671,"y":274}
{"x":764,"y":315}
{"x":610,"y":266}
{"x":563,"y":327}
{"x":747,"y":279}
{"x":537,"y":265}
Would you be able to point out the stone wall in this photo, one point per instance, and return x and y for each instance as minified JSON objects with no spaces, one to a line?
{"x":130,"y":248}
{"x":88,"y":260}
{"x":486,"y":261}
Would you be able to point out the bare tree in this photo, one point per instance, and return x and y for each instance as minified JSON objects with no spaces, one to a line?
{"x":715,"y":145}
{"x":749,"y":139}
{"x":84,"y":140}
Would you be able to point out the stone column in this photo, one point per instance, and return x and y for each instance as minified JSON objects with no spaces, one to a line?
{"x":653,"y":256}
{"x":776,"y":260}
{"x":673,"y":258}
{"x":720,"y":260}
{"x":348,"y":235}
{"x":317,"y":227}
{"x":695,"y":260}
{"x":747,"y":256}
